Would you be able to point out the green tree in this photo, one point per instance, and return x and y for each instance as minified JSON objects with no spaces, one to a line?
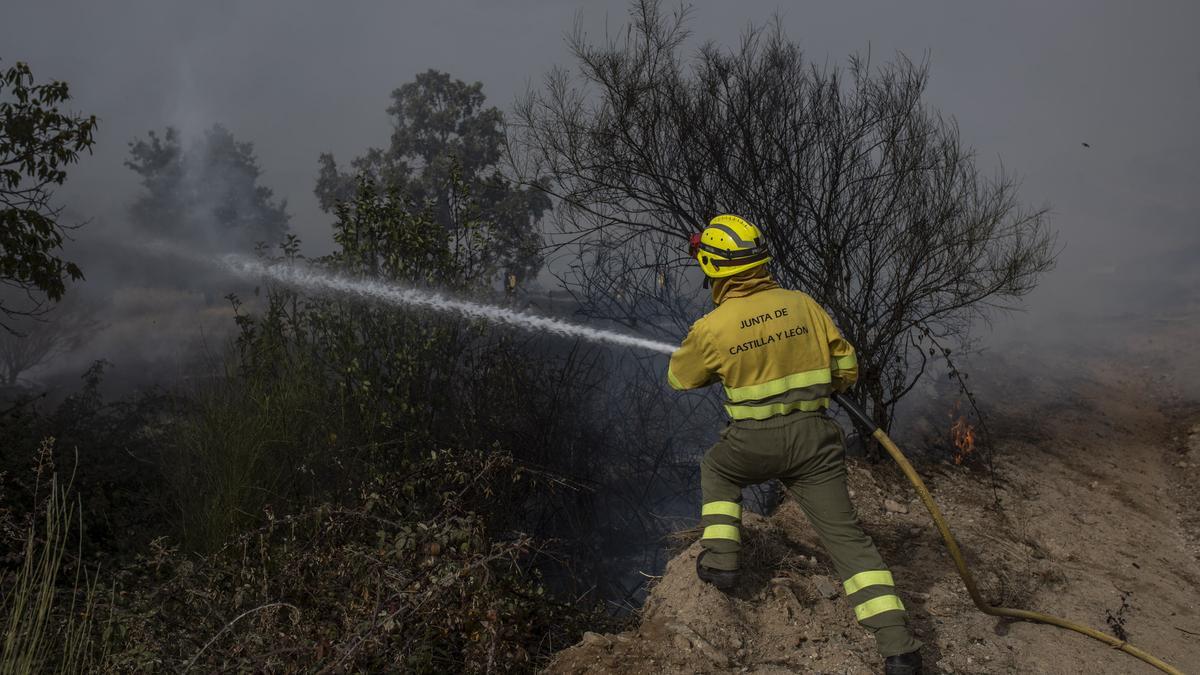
{"x":37,"y":143}
{"x":207,"y":194}
{"x":442,"y":134}
{"x":868,"y":198}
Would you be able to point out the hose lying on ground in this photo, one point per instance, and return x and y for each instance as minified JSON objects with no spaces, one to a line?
{"x":959,"y":562}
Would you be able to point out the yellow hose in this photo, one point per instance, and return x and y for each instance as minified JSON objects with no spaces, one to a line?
{"x":969,"y":581}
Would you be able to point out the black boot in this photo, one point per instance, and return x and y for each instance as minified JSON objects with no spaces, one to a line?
{"x":724,"y":580}
{"x":903,"y":664}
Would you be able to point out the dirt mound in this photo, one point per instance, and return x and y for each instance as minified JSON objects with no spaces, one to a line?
{"x":786,"y":614}
{"x":1097,"y":524}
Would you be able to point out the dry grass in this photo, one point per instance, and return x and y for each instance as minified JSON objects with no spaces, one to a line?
{"x":40,"y":633}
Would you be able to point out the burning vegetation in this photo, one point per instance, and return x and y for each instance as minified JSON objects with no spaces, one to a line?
{"x":962,"y":434}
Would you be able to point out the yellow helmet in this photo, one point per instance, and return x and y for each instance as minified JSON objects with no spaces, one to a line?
{"x":729,"y":245}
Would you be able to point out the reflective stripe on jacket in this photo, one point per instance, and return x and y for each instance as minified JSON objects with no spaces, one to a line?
{"x":775,"y":351}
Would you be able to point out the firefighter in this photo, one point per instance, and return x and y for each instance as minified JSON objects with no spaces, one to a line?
{"x":779,"y":358}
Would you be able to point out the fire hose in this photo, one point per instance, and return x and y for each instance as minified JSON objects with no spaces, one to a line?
{"x":961,"y":564}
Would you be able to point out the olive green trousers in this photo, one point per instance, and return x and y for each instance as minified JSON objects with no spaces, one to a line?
{"x":806,"y":452}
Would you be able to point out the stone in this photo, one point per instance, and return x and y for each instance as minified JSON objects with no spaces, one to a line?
{"x":705,"y":647}
{"x":893,"y":506}
{"x":595,"y":639}
{"x":825,"y":587}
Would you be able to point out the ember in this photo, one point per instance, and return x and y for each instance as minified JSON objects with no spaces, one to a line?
{"x":962,"y":434}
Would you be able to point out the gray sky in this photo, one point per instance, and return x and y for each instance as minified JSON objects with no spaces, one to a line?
{"x":1028,"y":82}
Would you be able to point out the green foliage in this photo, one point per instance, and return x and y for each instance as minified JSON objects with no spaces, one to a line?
{"x":444,"y":139}
{"x":241,"y":445}
{"x":206,"y":194}
{"x":389,"y":369}
{"x":388,"y":235}
{"x":37,"y":143}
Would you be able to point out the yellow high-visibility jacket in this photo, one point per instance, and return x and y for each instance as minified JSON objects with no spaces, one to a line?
{"x":774,"y":350}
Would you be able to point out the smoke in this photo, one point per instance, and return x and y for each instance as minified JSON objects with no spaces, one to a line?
{"x":314,"y":280}
{"x":299,"y":83}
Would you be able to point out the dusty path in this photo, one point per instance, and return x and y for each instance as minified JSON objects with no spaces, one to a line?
{"x":1099,"y":524}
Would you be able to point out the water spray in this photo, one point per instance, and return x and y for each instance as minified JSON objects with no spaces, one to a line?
{"x":308,"y":278}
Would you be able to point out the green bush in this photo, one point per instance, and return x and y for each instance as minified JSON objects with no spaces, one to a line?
{"x":243,"y":444}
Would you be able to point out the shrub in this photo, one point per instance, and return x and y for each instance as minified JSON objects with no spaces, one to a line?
{"x":407,"y":578}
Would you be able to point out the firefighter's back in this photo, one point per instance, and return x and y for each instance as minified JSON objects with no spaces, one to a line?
{"x":773,"y":351}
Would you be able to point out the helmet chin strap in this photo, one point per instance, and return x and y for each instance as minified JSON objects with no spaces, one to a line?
{"x":694,"y":252}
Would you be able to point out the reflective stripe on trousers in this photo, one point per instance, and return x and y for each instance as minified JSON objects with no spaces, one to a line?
{"x":722,"y":532}
{"x":872,"y":593}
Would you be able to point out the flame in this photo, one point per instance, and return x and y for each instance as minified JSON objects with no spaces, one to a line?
{"x":962,"y":433}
